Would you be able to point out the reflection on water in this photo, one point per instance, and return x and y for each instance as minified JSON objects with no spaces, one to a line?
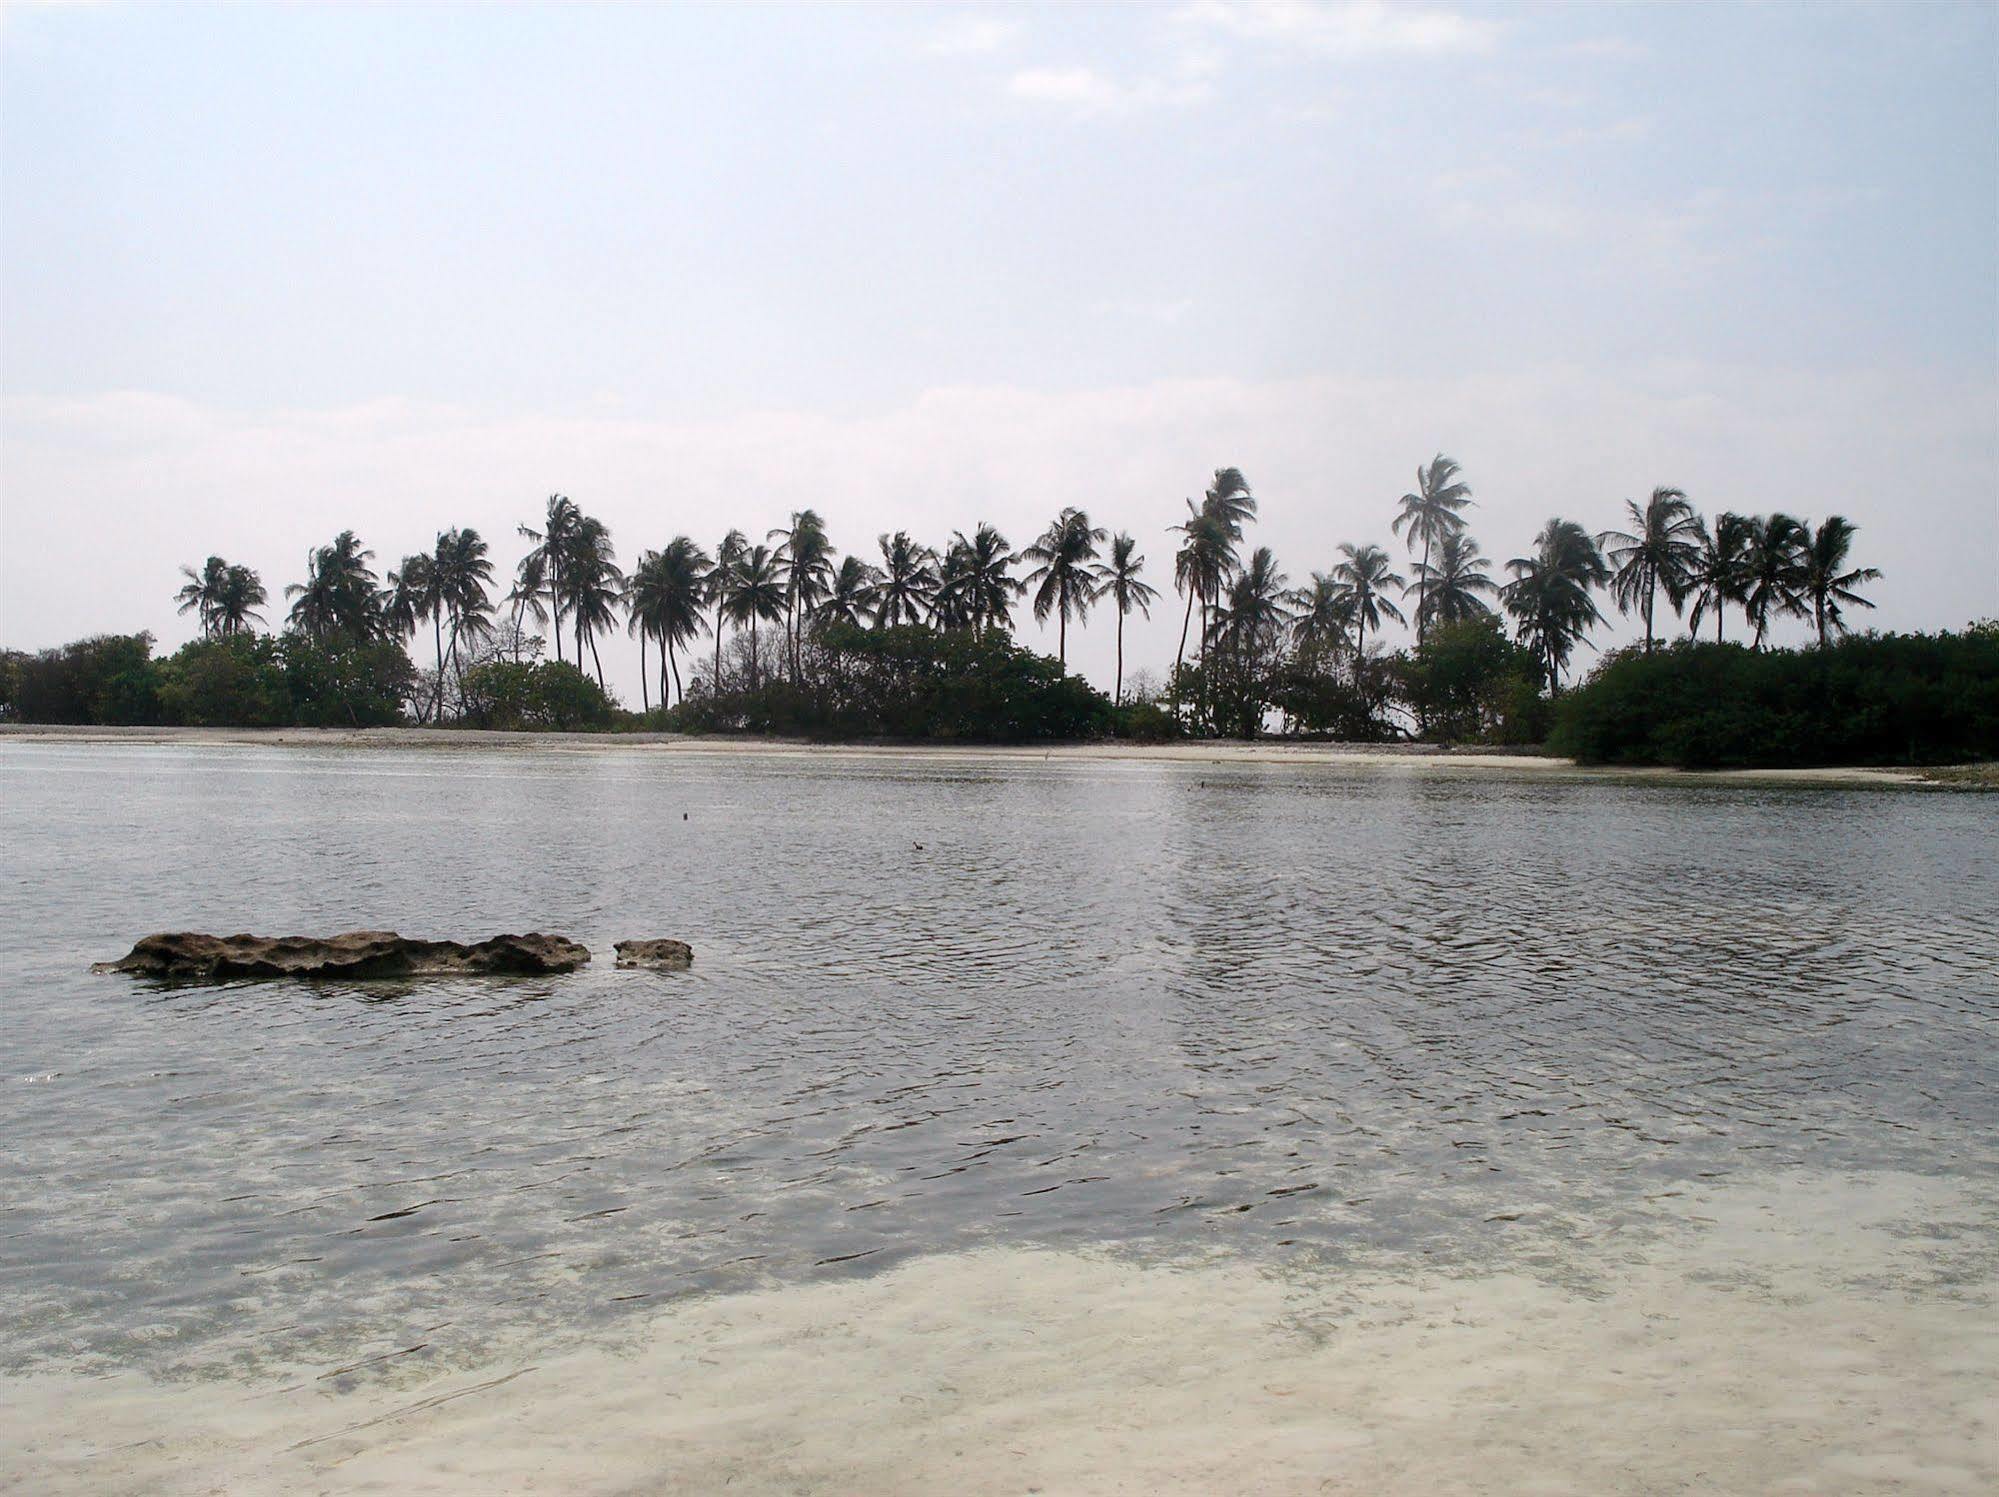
{"x":1309,"y":1014}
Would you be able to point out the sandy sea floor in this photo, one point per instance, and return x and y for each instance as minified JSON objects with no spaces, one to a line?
{"x":1808,"y":1333}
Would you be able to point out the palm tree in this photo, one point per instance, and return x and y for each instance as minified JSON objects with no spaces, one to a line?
{"x":1827,"y":582}
{"x":338,"y":594}
{"x":553,"y":543}
{"x":1549,"y":596}
{"x":202,"y":590}
{"x":806,"y":558}
{"x":409,"y":597}
{"x":1065,"y":551}
{"x":908,"y":585}
{"x":852,"y":596}
{"x":530,"y":581}
{"x":1365,"y":578}
{"x":950,"y":609}
{"x":1117,"y":579}
{"x":1257,"y":610}
{"x":1207,"y":551}
{"x":1773,"y":569}
{"x":1662,"y":549}
{"x":1448,"y":592}
{"x":592,"y":586}
{"x":665,"y":598}
{"x":1322,"y":615}
{"x":757,"y":596}
{"x":460,"y":575}
{"x":1434,"y":511}
{"x":226,"y":597}
{"x":720,"y":586}
{"x":1716,"y":578}
{"x":974,"y":583}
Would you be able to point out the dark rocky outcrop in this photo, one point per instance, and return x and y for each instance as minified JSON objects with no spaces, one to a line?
{"x":662,"y":955}
{"x":357,"y":954}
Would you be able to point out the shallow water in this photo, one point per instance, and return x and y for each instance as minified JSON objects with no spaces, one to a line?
{"x":1333,"y":1020}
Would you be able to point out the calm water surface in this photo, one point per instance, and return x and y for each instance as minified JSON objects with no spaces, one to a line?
{"x":1318,"y":1015}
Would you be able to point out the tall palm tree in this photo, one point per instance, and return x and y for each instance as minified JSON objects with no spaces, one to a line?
{"x":1448,"y":591}
{"x":720,"y":585}
{"x":592,"y":586}
{"x":1365,"y":577}
{"x":1064,"y":553}
{"x":1207,"y":554}
{"x":1322,"y":615}
{"x":757,"y":596}
{"x":908,"y":585}
{"x":1662,"y":549}
{"x":201,"y":591}
{"x":226,"y":597}
{"x":852,"y":597}
{"x":1549,"y":596}
{"x":1434,"y":511}
{"x":1256,"y":611}
{"x":976,"y":583}
{"x":1773,"y":570}
{"x":1118,"y":580}
{"x":666,"y":596}
{"x":553,"y":543}
{"x":530,"y":582}
{"x":1716,"y":579}
{"x":1827,"y":581}
{"x":409,"y":596}
{"x":951,"y":609}
{"x":338,"y":594}
{"x":806,"y":557}
{"x":460,"y":575}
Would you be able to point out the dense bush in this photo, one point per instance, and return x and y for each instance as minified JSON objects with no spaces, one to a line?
{"x":1468,"y":683}
{"x":548,"y":694}
{"x":108,"y":678}
{"x":910,"y":682}
{"x":1865,"y":699}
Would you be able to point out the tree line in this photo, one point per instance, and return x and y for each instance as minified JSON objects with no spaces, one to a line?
{"x":1244,"y":628}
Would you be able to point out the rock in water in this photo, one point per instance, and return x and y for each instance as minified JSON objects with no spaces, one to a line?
{"x":357,"y":954}
{"x":663,"y":955}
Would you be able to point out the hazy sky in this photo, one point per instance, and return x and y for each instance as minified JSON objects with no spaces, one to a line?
{"x":266,"y":273}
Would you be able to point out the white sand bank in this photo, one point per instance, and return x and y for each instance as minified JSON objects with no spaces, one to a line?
{"x":1827,"y":1337}
{"x":1418,"y":758}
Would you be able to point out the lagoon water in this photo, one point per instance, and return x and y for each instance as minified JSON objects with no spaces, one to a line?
{"x":1348,"y":1032}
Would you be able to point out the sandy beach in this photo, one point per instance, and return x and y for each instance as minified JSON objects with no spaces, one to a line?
{"x":1812,"y":1334}
{"x":1415,"y":758}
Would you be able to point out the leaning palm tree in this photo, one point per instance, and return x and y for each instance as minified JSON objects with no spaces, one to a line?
{"x":1434,"y":511}
{"x":553,"y":543}
{"x":979,"y":586}
{"x":592,"y":587}
{"x":1448,"y":592}
{"x":202,"y":593}
{"x":1716,"y":579}
{"x":1827,"y":582}
{"x":1662,"y":549}
{"x":908,"y":586}
{"x":1117,"y":579}
{"x":1207,"y":554}
{"x":1773,"y":570}
{"x":530,"y":582}
{"x":1549,"y":596}
{"x":1364,"y":578}
{"x":852,"y":596}
{"x":720,"y":585}
{"x":757,"y":596}
{"x":1321,"y":616}
{"x":1064,"y":553}
{"x":338,"y":595}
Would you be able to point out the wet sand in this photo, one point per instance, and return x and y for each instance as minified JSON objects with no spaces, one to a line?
{"x":1414,"y":758}
{"x":1810,"y":1334}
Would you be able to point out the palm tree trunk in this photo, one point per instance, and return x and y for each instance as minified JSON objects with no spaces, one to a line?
{"x":1186,"y":619}
{"x":679,"y":691}
{"x":1062,"y":635}
{"x":753,"y":654}
{"x":593,"y":656}
{"x":437,"y":624}
{"x":1423,"y":588}
{"x":1117,"y":691}
{"x":645,"y":698}
{"x":1651,"y":595}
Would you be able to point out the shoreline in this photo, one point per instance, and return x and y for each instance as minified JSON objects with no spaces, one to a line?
{"x":1417,"y":757}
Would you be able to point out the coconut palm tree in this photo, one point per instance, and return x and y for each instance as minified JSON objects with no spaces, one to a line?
{"x":719,"y":586}
{"x":201,"y":591}
{"x":1773,"y":570}
{"x":553,"y":543}
{"x":1549,"y":596}
{"x":1207,"y":554}
{"x":974,"y":583}
{"x":908,"y":586}
{"x":530,"y":582}
{"x":757,"y":596}
{"x":852,"y":597}
{"x":338,"y":594}
{"x":1662,"y":549}
{"x":1716,"y":579}
{"x":1827,"y":582}
{"x":226,"y":597}
{"x":805,"y":556}
{"x":1064,"y":553}
{"x":1321,"y":616}
{"x":950,"y":609}
{"x":1434,"y":511}
{"x":667,"y":593}
{"x":1118,"y":580}
{"x":1256,"y":610}
{"x":1448,"y":592}
{"x":592,"y":586}
{"x":1364,"y":578}
{"x":460,"y":575}
{"x":409,"y":596}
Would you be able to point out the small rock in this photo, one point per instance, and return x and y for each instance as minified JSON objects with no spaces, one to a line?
{"x":665,"y":956}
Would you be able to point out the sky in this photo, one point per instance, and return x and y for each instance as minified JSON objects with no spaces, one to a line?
{"x":268,"y":272}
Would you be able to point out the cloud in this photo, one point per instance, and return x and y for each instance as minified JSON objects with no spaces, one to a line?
{"x":971,"y":36}
{"x":1086,"y":91}
{"x":1344,"y":28}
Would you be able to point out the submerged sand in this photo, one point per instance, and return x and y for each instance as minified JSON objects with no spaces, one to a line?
{"x":1417,"y":758}
{"x":1810,"y":1334}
